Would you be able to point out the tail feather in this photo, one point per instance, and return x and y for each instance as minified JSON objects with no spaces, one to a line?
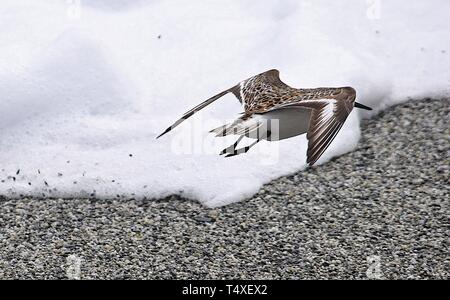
{"x":245,"y":129}
{"x":219,"y":131}
{"x":226,"y":129}
{"x":194,"y":110}
{"x":239,"y":127}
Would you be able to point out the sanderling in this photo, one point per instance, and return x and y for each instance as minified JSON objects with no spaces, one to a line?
{"x":319,"y":112}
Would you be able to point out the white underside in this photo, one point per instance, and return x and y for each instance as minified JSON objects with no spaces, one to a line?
{"x":282,"y":124}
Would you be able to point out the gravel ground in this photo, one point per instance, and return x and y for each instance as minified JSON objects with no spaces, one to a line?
{"x":380,"y":211}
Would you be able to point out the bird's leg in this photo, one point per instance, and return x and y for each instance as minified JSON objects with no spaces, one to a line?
{"x":245,"y":149}
{"x":232,"y":148}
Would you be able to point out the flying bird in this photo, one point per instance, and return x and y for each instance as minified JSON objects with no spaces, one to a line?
{"x":274,"y":111}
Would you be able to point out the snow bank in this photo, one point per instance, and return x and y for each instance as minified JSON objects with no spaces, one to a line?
{"x":86,"y":86}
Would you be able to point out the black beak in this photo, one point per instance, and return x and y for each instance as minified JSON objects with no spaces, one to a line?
{"x":359,"y":105}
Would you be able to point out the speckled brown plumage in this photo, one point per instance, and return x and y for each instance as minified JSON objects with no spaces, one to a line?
{"x":266,"y":92}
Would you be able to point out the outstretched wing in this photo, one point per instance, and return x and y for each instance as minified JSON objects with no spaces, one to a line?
{"x":328,"y":115}
{"x":327,"y":118}
{"x":193,"y":111}
{"x":262,"y":88}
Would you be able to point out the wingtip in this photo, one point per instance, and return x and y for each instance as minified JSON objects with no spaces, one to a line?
{"x":311,"y":163}
{"x":166,"y":131}
{"x":311,"y":160}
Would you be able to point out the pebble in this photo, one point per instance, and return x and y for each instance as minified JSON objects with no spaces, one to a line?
{"x":385,"y":202}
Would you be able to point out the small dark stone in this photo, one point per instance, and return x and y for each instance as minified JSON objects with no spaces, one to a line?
{"x":204,"y":219}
